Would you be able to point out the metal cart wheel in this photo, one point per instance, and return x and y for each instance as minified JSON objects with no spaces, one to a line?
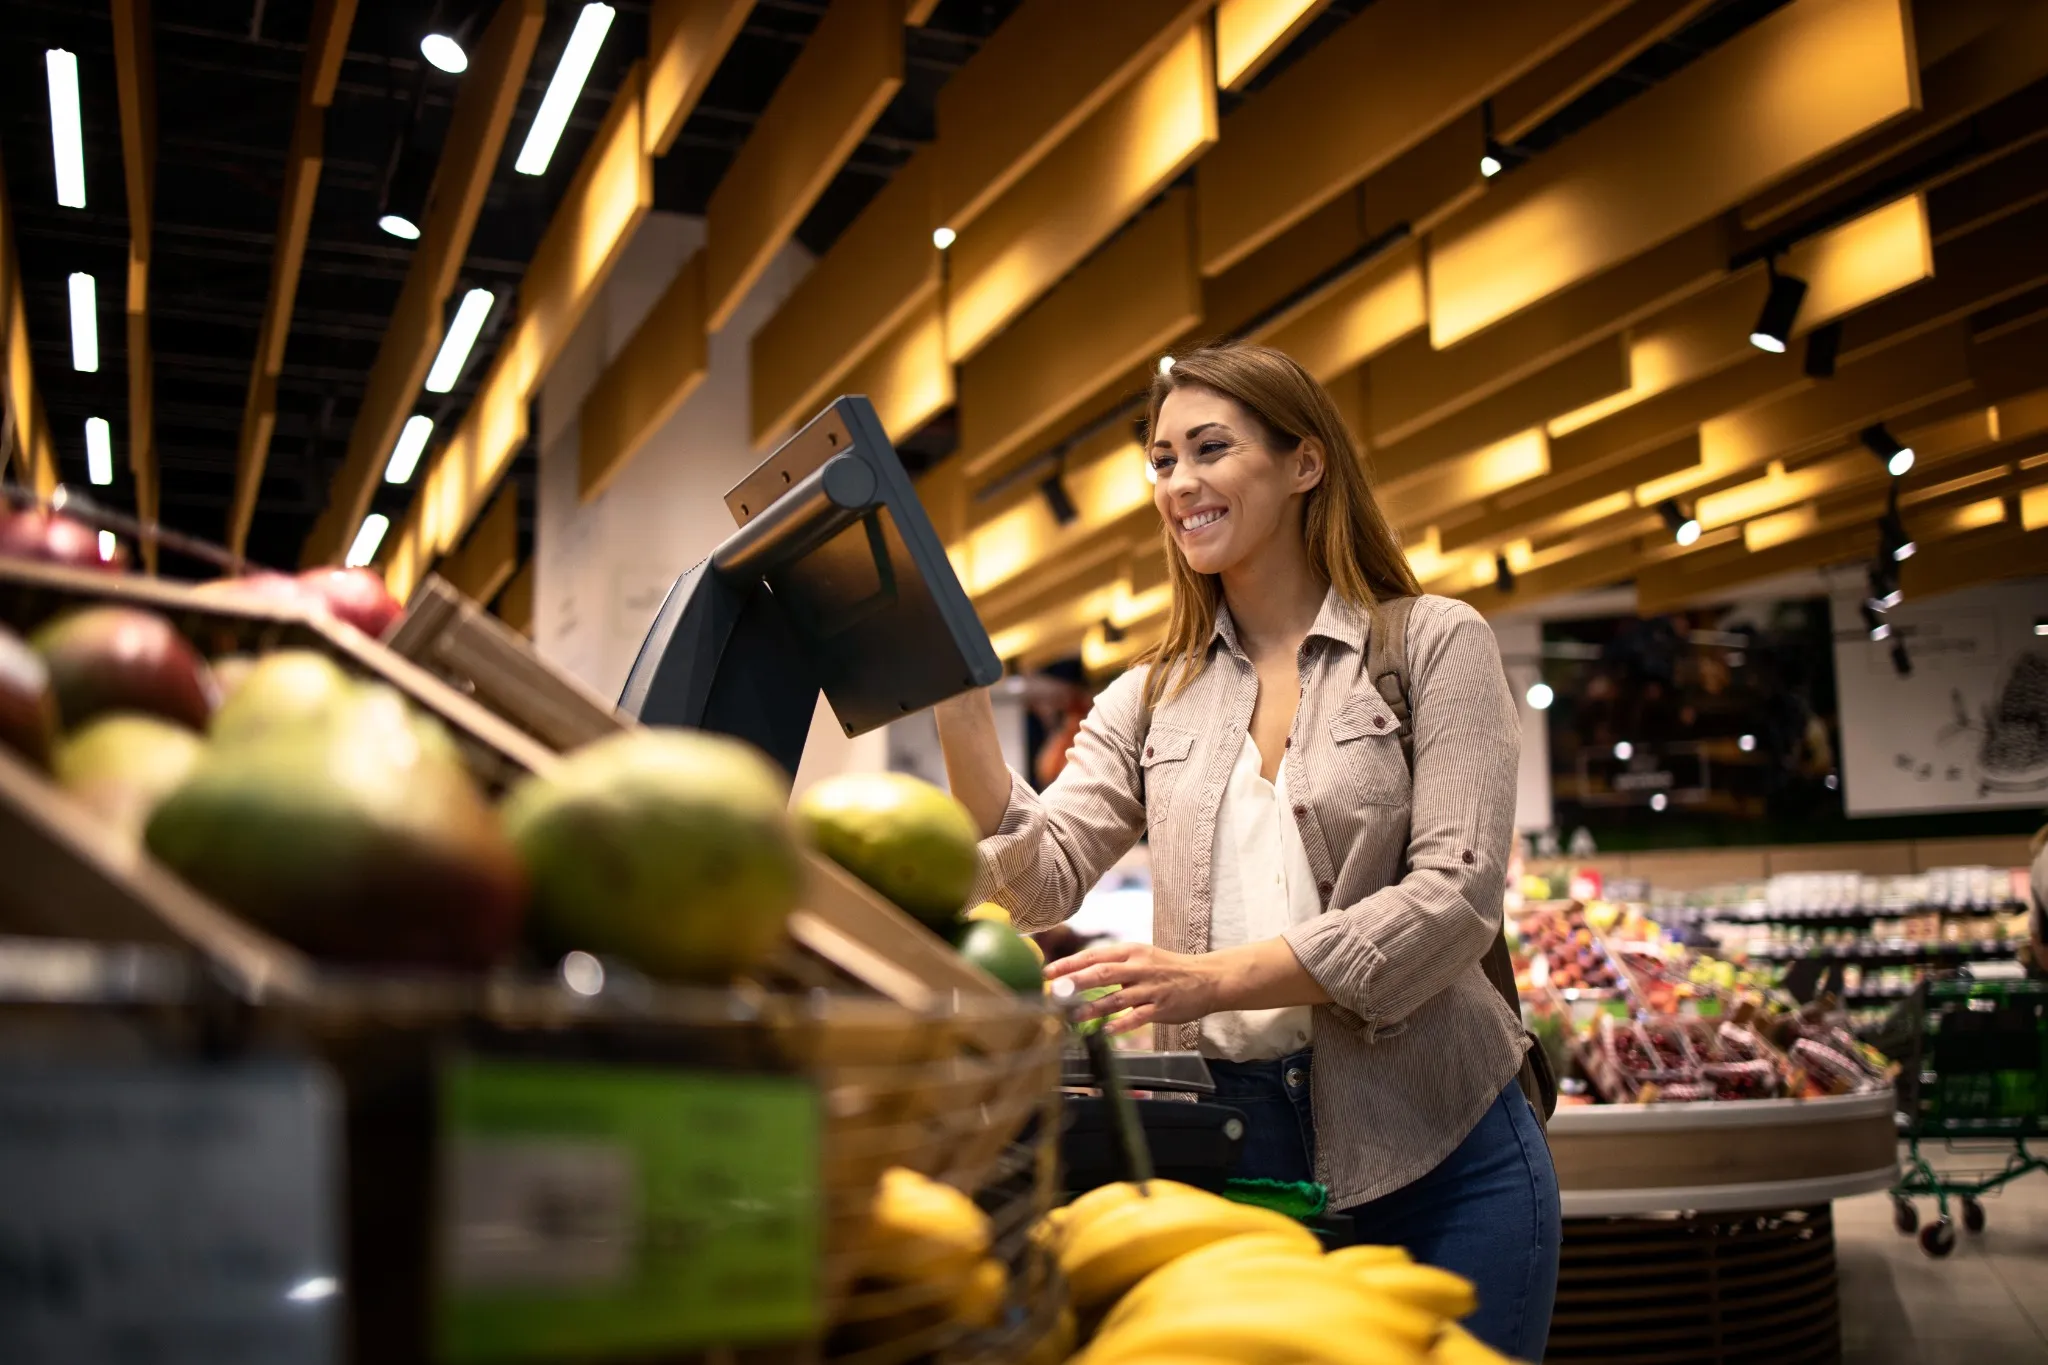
{"x":1905,"y":1217}
{"x":1973,"y":1215}
{"x":1938,"y":1238}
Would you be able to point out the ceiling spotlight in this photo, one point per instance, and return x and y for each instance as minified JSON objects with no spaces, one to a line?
{"x":565,"y":87}
{"x":1833,"y":782}
{"x":1540,"y":696}
{"x":943,"y":237}
{"x":1166,"y":364}
{"x":1822,"y":344}
{"x":1492,"y":161}
{"x":402,"y":199}
{"x":1894,"y":544}
{"x":1902,"y":662}
{"x":1685,"y":528}
{"x":1879,"y":441}
{"x":444,"y":53}
{"x":1624,"y":751}
{"x":1747,"y":744}
{"x":1879,"y":628}
{"x":1773,"y":330}
{"x":2041,"y":625}
{"x":1054,"y":491}
{"x":1658,"y":801}
{"x":446,"y":44}
{"x":1112,"y":633}
{"x":1503,"y":576}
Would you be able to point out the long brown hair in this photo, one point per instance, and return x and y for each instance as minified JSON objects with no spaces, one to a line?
{"x":1351,"y":545}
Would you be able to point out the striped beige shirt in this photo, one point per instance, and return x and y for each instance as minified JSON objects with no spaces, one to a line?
{"x":1409,"y":869}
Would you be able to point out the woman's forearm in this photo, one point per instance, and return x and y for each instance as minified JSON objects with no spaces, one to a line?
{"x":974,"y":757}
{"x":1264,"y":976}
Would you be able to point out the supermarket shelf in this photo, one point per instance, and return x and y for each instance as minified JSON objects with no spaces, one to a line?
{"x":1878,"y":952}
{"x":1851,"y":915}
{"x":1575,"y":1119}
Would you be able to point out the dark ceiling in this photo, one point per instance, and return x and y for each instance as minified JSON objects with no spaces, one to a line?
{"x":227,"y":77}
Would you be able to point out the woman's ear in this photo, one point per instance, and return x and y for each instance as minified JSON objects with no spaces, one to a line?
{"x":1308,"y":465}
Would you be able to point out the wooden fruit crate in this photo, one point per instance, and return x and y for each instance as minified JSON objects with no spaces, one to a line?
{"x":919,"y":1059}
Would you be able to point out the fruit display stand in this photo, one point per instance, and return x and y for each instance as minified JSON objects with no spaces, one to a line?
{"x":512,"y":1165}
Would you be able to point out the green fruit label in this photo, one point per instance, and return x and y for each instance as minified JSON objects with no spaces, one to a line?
{"x":591,"y":1211}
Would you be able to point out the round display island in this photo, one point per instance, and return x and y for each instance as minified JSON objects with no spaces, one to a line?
{"x":1703,"y":1232}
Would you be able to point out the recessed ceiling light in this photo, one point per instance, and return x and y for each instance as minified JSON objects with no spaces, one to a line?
{"x":461,"y":337}
{"x":445,"y":53}
{"x":85,"y":324}
{"x":368,"y":539}
{"x":67,"y":129}
{"x":564,"y":88}
{"x":99,"y":451}
{"x":412,"y":442}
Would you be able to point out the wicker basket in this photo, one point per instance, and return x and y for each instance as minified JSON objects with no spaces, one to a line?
{"x":917,"y":1059}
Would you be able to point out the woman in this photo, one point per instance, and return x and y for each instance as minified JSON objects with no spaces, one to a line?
{"x":1320,"y":908}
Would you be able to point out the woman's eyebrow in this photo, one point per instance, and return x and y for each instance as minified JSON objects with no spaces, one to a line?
{"x":1195,"y":431}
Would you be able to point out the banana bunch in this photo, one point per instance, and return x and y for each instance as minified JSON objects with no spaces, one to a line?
{"x":1172,"y":1273}
{"x":930,"y":1240}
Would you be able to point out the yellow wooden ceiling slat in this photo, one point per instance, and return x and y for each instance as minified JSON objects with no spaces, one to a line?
{"x":847,"y":73}
{"x":1991,"y":66}
{"x":2008,"y":550}
{"x":487,"y":558}
{"x":1120,"y":308}
{"x":469,"y":156}
{"x":653,"y":374}
{"x":1045,"y":71}
{"x":907,"y":376}
{"x":1081,"y":192}
{"x":1414,"y":383}
{"x":135,"y":81}
{"x":1284,"y":267}
{"x":881,"y":270}
{"x":326,"y":42}
{"x":35,"y":453}
{"x":1429,"y":181}
{"x":1378,"y":304}
{"x":1529,"y":100}
{"x":1250,"y":33}
{"x":1363,"y":97}
{"x":1555,"y":504}
{"x":686,"y":40}
{"x":1588,"y":374}
{"x":1468,"y":479}
{"x":1806,"y":79}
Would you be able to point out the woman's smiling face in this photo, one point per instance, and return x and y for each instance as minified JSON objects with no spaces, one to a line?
{"x":1224,"y":492}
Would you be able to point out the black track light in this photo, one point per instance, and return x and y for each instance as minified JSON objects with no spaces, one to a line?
{"x":1773,"y":330}
{"x":1112,"y":633}
{"x":1686,"y":529}
{"x":402,"y":202}
{"x":1874,"y":622}
{"x":1893,"y":542}
{"x":1054,"y":491}
{"x":1495,"y":156}
{"x":1884,"y":584}
{"x":1901,"y":661}
{"x":1822,"y":344}
{"x":1879,"y":441}
{"x":1503,"y":576}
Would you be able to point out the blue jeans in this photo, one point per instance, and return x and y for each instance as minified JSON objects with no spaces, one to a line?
{"x":1488,"y":1211}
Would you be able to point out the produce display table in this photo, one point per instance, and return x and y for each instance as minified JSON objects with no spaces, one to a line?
{"x":1702,"y":1232}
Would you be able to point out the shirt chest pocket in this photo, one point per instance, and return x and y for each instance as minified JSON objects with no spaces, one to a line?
{"x":1164,"y":764}
{"x":1367,"y":740}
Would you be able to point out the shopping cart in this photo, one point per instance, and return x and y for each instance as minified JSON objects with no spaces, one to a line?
{"x":1973,"y":1075}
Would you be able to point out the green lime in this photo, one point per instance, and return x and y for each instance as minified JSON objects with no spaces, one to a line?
{"x":1004,"y":954}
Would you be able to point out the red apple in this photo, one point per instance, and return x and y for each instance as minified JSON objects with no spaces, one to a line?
{"x":54,"y":539}
{"x":264,"y":587}
{"x":28,"y":716}
{"x":105,"y":659}
{"x":357,"y":596}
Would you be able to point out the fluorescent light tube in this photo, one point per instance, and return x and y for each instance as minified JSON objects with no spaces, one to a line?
{"x":85,"y":324}
{"x":67,"y":129}
{"x":368,"y":539}
{"x":563,"y":89}
{"x":107,"y":546}
{"x":405,"y":456}
{"x":462,"y":334}
{"x":99,"y":451}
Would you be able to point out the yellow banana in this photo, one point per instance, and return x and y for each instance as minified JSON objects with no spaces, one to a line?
{"x":1106,"y":1256}
{"x":1219,"y":1264}
{"x":1056,"y":1345}
{"x":1100,"y":1200}
{"x":1364,"y":1257}
{"x":922,"y":1230}
{"x":1459,"y":1347}
{"x":1317,"y":1328}
{"x":1261,"y":1286}
{"x":1424,"y":1286}
{"x":978,"y":1302}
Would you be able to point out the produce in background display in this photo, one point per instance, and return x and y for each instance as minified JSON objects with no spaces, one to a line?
{"x":280,"y":691}
{"x":28,"y":712}
{"x":911,"y":842}
{"x":354,"y":832}
{"x":356,"y":597}
{"x":669,"y":848}
{"x":104,"y":659}
{"x":1571,"y":949}
{"x":1171,"y":1273}
{"x":122,"y":766}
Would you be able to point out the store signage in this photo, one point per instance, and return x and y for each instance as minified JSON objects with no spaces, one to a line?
{"x":175,"y":1214}
{"x":591,"y":1211}
{"x":1963,"y":725}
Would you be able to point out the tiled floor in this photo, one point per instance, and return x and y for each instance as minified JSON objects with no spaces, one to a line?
{"x":1986,"y":1304}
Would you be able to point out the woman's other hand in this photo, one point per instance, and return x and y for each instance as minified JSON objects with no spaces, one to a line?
{"x":1158,"y":987}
